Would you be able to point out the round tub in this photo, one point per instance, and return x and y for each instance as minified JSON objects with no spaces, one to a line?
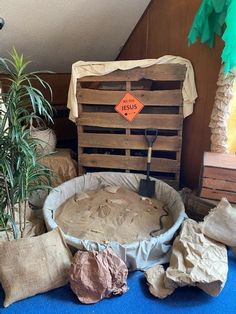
{"x":137,"y":255}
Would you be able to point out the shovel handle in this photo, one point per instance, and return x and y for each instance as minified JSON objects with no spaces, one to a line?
{"x":148,"y":170}
{"x":149,"y":161}
{"x":151,"y":136}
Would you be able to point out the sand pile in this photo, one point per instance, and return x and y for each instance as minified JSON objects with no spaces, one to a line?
{"x":112,"y":214}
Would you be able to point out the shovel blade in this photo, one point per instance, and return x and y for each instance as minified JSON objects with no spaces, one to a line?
{"x":146,"y":188}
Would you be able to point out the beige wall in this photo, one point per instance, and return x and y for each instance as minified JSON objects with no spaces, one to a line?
{"x":163,"y":30}
{"x":56,"y":33}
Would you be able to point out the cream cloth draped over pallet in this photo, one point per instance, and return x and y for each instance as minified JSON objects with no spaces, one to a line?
{"x":82,"y":68}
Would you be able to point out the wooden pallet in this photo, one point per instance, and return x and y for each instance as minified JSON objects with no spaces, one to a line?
{"x":219,"y":176}
{"x":106,"y":141}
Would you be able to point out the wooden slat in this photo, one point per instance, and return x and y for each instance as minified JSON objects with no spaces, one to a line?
{"x":142,"y":121}
{"x":180,"y":134}
{"x":127,"y":131}
{"x":216,"y":184}
{"x":127,"y":162}
{"x":217,"y":195}
{"x":227,"y":161}
{"x":80,"y":128}
{"x":149,"y":98}
{"x":122,"y":141}
{"x":219,"y":173}
{"x":157,"y":72}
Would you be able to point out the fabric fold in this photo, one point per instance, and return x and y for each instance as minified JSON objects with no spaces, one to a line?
{"x":83,"y":68}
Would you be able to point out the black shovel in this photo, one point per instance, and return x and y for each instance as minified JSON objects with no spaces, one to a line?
{"x":147,"y":187}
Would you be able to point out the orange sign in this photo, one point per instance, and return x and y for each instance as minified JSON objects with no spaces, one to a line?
{"x":129,"y":107}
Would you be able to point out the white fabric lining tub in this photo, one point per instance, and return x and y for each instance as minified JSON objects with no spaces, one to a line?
{"x":137,"y":255}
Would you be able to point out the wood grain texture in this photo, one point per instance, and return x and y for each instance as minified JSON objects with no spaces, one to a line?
{"x":226,"y":161}
{"x":160,"y":72}
{"x":163,"y":112}
{"x":123,"y":141}
{"x":219,"y":173}
{"x":59,"y":83}
{"x":151,"y":39}
{"x":127,"y":162}
{"x":133,"y":48}
{"x":219,"y":176}
{"x":217,"y":184}
{"x":217,"y":195}
{"x":142,"y":121}
{"x":148,"y":98}
{"x":65,"y":129}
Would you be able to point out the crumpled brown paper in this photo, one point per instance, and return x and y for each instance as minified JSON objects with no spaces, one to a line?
{"x":97,"y":275}
{"x":155,"y":277}
{"x":220,"y":223}
{"x":196,"y":260}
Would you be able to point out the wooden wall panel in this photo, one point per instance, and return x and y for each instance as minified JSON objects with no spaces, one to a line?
{"x":65,"y":129}
{"x":59,"y":83}
{"x":163,"y":30}
{"x":136,"y":47}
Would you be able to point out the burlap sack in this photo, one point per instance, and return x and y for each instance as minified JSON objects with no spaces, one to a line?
{"x":33,"y":265}
{"x":96,"y":275}
{"x":220,"y":223}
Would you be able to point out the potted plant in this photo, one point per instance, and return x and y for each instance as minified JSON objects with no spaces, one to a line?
{"x":21,"y":172}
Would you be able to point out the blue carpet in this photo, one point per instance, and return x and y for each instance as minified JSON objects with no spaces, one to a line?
{"x":137,"y":300}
